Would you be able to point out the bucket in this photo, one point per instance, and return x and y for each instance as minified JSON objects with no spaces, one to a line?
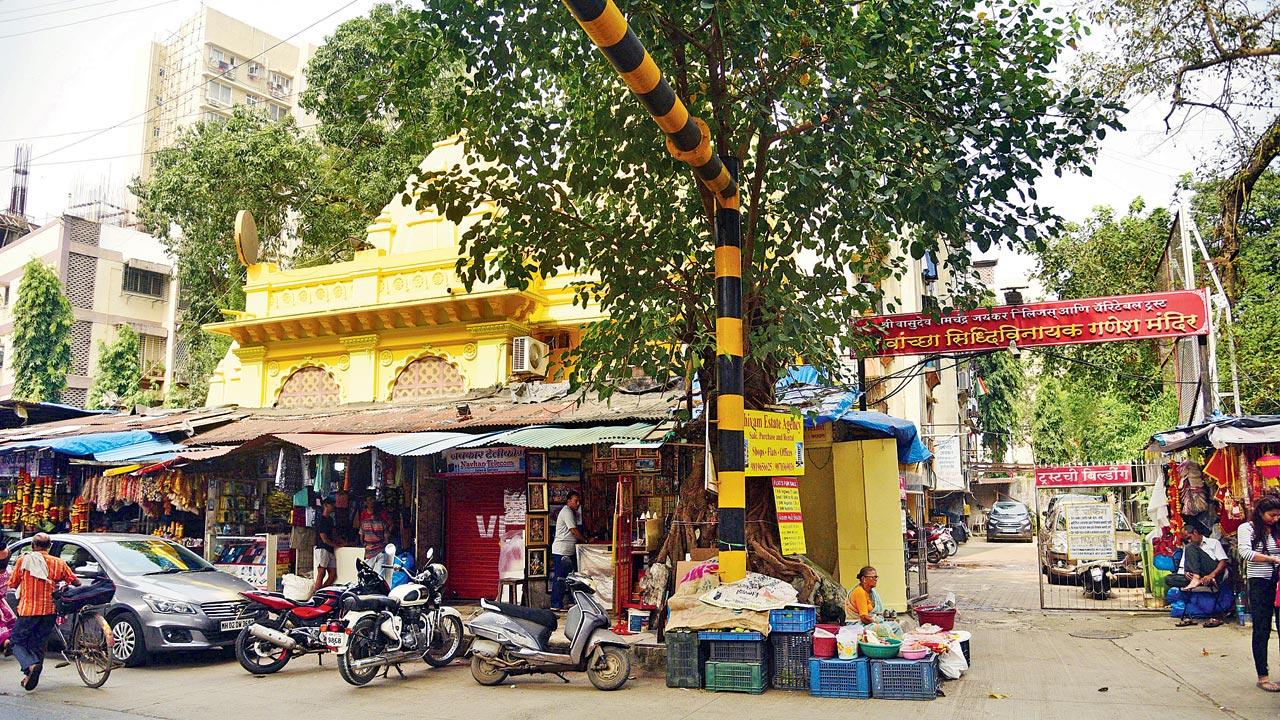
{"x":637,"y":620}
{"x":824,"y":643}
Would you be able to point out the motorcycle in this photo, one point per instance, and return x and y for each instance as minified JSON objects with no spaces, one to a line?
{"x":515,"y":640}
{"x":381,"y":631}
{"x":940,"y":545}
{"x":283,"y":629}
{"x":1096,"y":578}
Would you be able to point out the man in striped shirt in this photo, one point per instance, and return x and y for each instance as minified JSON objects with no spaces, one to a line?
{"x":35,"y":577}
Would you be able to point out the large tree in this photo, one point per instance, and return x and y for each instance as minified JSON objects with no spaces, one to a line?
{"x":1215,"y":56}
{"x":42,"y":322}
{"x":119,"y":372}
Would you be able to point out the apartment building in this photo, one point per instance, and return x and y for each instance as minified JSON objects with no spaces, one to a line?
{"x":113,"y":276}
{"x":211,"y":64}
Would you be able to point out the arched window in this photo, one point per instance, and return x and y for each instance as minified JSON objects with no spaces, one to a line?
{"x":429,"y":377}
{"x":309,"y":387}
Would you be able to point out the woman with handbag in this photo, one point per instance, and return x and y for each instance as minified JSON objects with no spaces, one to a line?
{"x":1260,"y":546}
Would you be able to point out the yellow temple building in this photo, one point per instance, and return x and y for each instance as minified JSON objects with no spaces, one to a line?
{"x":395,"y":323}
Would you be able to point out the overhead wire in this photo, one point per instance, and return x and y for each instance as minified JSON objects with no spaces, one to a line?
{"x":56,"y":12}
{"x":34,"y":31}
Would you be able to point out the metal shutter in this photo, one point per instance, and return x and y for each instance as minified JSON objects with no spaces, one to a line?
{"x":476,"y":515}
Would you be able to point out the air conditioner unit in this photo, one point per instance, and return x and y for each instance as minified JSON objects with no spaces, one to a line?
{"x":962,"y":380}
{"x":529,"y":357}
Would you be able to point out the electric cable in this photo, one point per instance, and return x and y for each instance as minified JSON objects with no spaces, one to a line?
{"x":58,"y":12}
{"x":87,"y":20}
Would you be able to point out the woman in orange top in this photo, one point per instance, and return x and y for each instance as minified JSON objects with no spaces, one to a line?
{"x":864,"y":602}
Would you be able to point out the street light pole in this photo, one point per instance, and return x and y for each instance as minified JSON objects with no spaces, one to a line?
{"x":689,"y":141}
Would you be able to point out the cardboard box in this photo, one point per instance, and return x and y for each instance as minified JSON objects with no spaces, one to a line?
{"x":701,"y":554}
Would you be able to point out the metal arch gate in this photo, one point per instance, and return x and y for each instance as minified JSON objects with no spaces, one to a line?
{"x":1086,"y":517}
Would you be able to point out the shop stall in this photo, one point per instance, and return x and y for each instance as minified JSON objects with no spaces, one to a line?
{"x":485,"y":504}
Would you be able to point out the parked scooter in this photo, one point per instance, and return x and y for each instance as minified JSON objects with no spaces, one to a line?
{"x":1096,"y":578}
{"x":380,"y":631}
{"x":284,"y":629}
{"x":515,"y":640}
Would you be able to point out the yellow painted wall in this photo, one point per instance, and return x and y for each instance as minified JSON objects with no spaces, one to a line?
{"x":818,"y":503}
{"x":868,"y":516}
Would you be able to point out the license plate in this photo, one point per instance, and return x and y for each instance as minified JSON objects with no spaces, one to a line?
{"x":335,"y":640}
{"x":229,"y":625}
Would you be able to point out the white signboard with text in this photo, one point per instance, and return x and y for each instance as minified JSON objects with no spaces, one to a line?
{"x":1091,"y":531}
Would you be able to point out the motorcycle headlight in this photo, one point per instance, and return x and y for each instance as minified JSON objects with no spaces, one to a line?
{"x":168,"y":606}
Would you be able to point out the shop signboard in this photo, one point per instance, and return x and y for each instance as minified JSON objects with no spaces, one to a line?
{"x":1091,"y":531}
{"x":484,"y":461}
{"x":1083,"y":476}
{"x":786,"y":501}
{"x":774,"y":443}
{"x":1177,"y":313}
{"x":948,"y":472}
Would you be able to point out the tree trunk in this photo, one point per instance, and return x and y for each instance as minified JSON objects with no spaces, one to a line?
{"x":1233,"y":196}
{"x":694,"y":522}
{"x":764,"y":549}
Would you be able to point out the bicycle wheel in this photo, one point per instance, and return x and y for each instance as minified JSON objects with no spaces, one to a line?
{"x":91,"y":649}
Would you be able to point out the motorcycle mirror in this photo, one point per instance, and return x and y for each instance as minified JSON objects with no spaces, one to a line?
{"x":391,"y":550}
{"x":431,"y":553}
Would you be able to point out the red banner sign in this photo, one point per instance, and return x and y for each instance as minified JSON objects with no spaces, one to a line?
{"x":1062,"y":322}
{"x":1083,"y":475}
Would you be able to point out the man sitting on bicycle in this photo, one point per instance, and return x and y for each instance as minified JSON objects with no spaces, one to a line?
{"x":35,"y":577}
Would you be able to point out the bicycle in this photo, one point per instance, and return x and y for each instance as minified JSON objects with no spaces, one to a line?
{"x":87,"y":643}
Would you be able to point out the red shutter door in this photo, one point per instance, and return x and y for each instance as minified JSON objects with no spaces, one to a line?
{"x":475,"y":516}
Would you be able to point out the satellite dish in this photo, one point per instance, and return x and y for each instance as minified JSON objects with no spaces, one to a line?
{"x":246,"y":238}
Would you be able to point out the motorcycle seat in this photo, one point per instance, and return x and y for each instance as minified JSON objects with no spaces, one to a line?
{"x":545,"y":618}
{"x":375,"y":602}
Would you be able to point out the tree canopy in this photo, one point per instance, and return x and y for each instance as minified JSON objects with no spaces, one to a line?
{"x":1000,"y":401}
{"x":119,"y":371}
{"x":1216,"y":56}
{"x":869,"y":133}
{"x":42,"y":321}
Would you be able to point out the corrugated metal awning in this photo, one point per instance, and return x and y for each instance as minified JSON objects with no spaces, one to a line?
{"x":543,"y":437}
{"x":85,"y":445}
{"x":425,"y":443}
{"x":351,"y":444}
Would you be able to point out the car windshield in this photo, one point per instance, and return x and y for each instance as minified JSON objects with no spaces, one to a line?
{"x":151,"y":557}
{"x":1008,"y":509}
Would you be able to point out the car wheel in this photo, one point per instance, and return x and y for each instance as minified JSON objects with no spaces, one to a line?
{"x":130,"y":647}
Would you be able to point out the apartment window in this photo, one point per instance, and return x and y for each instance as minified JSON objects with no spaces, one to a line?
{"x":219,"y":94}
{"x":252,"y":101}
{"x":151,"y":353}
{"x":213,"y":117}
{"x":277,"y":112}
{"x":279,"y":84}
{"x":222,"y":61}
{"x":255,"y":71}
{"x":144,"y":282}
{"x":155,"y":132}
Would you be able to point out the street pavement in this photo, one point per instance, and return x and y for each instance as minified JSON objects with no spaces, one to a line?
{"x":1028,"y":663}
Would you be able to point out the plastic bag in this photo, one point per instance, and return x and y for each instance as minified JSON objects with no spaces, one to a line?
{"x":952,"y":663}
{"x":847,"y":642}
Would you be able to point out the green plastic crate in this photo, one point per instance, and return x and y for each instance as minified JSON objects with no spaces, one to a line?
{"x":736,"y":677}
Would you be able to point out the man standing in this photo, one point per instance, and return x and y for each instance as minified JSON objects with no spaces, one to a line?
{"x":35,"y":577}
{"x":373,"y":528}
{"x":326,"y":547}
{"x":563,"y":554}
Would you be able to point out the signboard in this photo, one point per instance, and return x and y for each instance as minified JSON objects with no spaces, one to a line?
{"x":1091,"y":531}
{"x":1063,"y":322}
{"x":1083,"y":476}
{"x":786,"y":501}
{"x":820,"y":436}
{"x":484,"y":461}
{"x":947,"y":470}
{"x":775,"y":443}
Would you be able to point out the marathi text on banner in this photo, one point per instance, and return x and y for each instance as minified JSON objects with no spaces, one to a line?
{"x":1176,"y":313}
{"x":1083,"y":475}
{"x":774,"y":443}
{"x":484,"y":461}
{"x":786,"y":500}
{"x":1091,"y":531}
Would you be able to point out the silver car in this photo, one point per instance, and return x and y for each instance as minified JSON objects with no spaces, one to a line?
{"x":167,"y":597}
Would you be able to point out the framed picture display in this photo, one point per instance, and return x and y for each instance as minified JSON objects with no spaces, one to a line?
{"x":624,"y":452}
{"x":535,"y":563}
{"x":536,"y":462}
{"x":535,"y":531}
{"x":604,"y":452}
{"x":646,"y":464}
{"x":559,"y":492}
{"x":648,"y":452}
{"x":537,"y":497}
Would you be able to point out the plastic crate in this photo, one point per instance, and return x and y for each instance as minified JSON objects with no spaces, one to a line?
{"x":735,"y":677}
{"x":905,"y":679}
{"x":791,"y":653}
{"x":685,"y":658}
{"x":840,"y":678}
{"x":793,"y":619}
{"x":743,"y":647}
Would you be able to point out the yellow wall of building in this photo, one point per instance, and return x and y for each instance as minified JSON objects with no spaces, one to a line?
{"x":868,"y":516}
{"x":365,"y":319}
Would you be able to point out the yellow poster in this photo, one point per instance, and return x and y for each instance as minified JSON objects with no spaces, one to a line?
{"x":786,"y":500}
{"x":775,"y":443}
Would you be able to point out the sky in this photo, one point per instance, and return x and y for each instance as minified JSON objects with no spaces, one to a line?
{"x":59,"y":82}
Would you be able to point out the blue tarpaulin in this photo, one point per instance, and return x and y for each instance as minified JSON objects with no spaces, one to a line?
{"x":804,"y":388}
{"x":85,"y":445}
{"x":136,"y":452}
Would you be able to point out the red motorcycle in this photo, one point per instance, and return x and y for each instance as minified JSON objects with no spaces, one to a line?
{"x":940,"y":544}
{"x":283,"y":629}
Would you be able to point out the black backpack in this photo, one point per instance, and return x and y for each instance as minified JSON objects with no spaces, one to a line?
{"x":73,"y":599}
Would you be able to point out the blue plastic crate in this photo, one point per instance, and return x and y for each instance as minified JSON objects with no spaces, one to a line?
{"x":900,"y":679}
{"x":732,"y":636}
{"x":840,"y":678}
{"x":793,"y":619}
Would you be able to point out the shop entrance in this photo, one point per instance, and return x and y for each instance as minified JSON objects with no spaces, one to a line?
{"x":1089,"y":540}
{"x":481,"y":513}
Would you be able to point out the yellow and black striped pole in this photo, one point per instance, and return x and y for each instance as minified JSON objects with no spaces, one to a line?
{"x":689,"y":140}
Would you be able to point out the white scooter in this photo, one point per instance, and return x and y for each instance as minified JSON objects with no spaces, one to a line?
{"x":379,"y":632}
